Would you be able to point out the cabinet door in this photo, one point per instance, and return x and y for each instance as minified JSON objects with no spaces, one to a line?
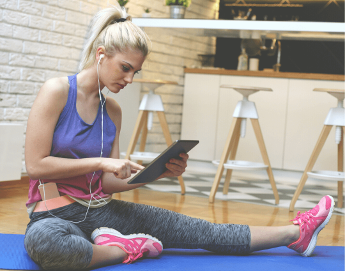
{"x":199,"y":117}
{"x":271,"y":107}
{"x":128,"y":100}
{"x":306,"y":113}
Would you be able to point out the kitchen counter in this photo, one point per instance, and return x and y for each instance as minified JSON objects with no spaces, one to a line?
{"x":295,"y":75}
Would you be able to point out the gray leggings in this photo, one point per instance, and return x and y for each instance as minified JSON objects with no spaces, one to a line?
{"x":56,"y":244}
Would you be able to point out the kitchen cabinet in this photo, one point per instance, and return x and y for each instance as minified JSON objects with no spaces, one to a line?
{"x":200,"y":111}
{"x":291,"y":118}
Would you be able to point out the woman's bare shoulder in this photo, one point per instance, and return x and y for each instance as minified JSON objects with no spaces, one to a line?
{"x":53,"y":94}
{"x":56,"y":86}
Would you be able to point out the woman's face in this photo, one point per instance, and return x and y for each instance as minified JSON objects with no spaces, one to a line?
{"x":117,"y":71}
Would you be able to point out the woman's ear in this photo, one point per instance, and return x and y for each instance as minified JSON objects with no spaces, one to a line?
{"x":100,"y":51}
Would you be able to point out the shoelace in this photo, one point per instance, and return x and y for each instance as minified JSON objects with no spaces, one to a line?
{"x":134,"y":252}
{"x":304,"y":216}
{"x":133,"y":258}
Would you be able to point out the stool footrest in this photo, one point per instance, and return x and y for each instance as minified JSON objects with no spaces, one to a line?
{"x":327,"y":175}
{"x":143,"y":156}
{"x":241,"y":165}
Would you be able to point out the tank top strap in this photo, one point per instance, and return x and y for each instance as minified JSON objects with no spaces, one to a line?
{"x":71,"y":99}
{"x":72,"y":93}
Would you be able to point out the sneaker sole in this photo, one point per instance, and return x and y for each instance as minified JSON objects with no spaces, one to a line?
{"x":105,"y":230}
{"x":313,"y":241}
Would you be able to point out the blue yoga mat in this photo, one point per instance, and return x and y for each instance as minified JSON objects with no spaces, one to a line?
{"x":14,"y":257}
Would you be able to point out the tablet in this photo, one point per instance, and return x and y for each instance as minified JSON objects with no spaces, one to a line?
{"x":157,"y":167}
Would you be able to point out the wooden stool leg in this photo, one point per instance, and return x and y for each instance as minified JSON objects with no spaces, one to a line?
{"x":234,"y":129}
{"x":260,"y":139}
{"x":315,"y":154}
{"x":137,"y":129}
{"x":143,"y":139}
{"x":233,"y":152}
{"x":168,"y":140}
{"x":165,"y":127}
{"x":341,"y":168}
{"x":183,"y":188}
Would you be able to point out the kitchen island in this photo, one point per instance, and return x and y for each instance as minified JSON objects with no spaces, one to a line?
{"x":291,"y":117}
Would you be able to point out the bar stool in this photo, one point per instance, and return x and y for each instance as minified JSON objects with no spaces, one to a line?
{"x":244,"y":109}
{"x":150,"y":103}
{"x":335,"y":117}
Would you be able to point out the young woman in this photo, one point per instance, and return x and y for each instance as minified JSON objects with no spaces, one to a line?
{"x":72,"y":158}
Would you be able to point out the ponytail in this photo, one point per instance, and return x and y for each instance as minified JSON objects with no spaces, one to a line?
{"x":113,"y":29}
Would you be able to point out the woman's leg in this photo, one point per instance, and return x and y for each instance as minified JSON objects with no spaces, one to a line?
{"x":106,"y":255}
{"x":269,"y":237}
{"x":180,"y":231}
{"x":54,"y":243}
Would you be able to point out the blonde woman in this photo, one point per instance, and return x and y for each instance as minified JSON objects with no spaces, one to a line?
{"x":72,"y":158}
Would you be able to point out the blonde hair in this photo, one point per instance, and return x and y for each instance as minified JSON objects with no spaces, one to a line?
{"x":114,"y":36}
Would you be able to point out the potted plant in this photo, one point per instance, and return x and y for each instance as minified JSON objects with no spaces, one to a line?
{"x":146,"y":14}
{"x":177,"y":8}
{"x":122,"y":3}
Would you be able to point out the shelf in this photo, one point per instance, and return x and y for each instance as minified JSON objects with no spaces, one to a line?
{"x":283,"y":30}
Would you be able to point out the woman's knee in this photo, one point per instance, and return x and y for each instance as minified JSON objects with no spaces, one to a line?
{"x":56,"y":244}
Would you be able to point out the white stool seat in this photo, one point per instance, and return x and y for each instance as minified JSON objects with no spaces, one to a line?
{"x":327,"y":175}
{"x":241,"y":165}
{"x":245,"y":90}
{"x":337,"y":93}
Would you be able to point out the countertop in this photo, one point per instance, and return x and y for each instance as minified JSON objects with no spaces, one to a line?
{"x":295,"y":75}
{"x":290,"y":30}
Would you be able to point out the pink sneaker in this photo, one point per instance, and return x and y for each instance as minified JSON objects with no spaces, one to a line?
{"x":135,"y":245}
{"x":310,"y":224}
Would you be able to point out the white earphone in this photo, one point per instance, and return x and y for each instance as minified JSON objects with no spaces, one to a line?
{"x":100,"y":57}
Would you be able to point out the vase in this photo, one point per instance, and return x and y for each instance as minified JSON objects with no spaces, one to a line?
{"x":177,"y":11}
{"x":125,"y":9}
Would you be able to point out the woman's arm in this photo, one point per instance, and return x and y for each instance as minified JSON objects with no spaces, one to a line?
{"x":43,"y":117}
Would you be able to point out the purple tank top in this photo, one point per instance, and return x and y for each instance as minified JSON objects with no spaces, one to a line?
{"x":74,"y":138}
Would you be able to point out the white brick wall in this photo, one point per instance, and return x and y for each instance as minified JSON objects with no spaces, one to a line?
{"x":41,"y":39}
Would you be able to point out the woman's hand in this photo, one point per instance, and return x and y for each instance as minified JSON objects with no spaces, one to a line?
{"x":121,"y":168}
{"x":176,"y":167}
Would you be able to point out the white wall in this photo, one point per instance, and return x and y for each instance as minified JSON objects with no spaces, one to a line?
{"x":41,"y":39}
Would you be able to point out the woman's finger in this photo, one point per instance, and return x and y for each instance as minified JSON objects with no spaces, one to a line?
{"x":128,"y":170}
{"x":135,"y":165}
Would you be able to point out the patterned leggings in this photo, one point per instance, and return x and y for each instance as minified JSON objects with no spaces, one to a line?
{"x":55,"y":243}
